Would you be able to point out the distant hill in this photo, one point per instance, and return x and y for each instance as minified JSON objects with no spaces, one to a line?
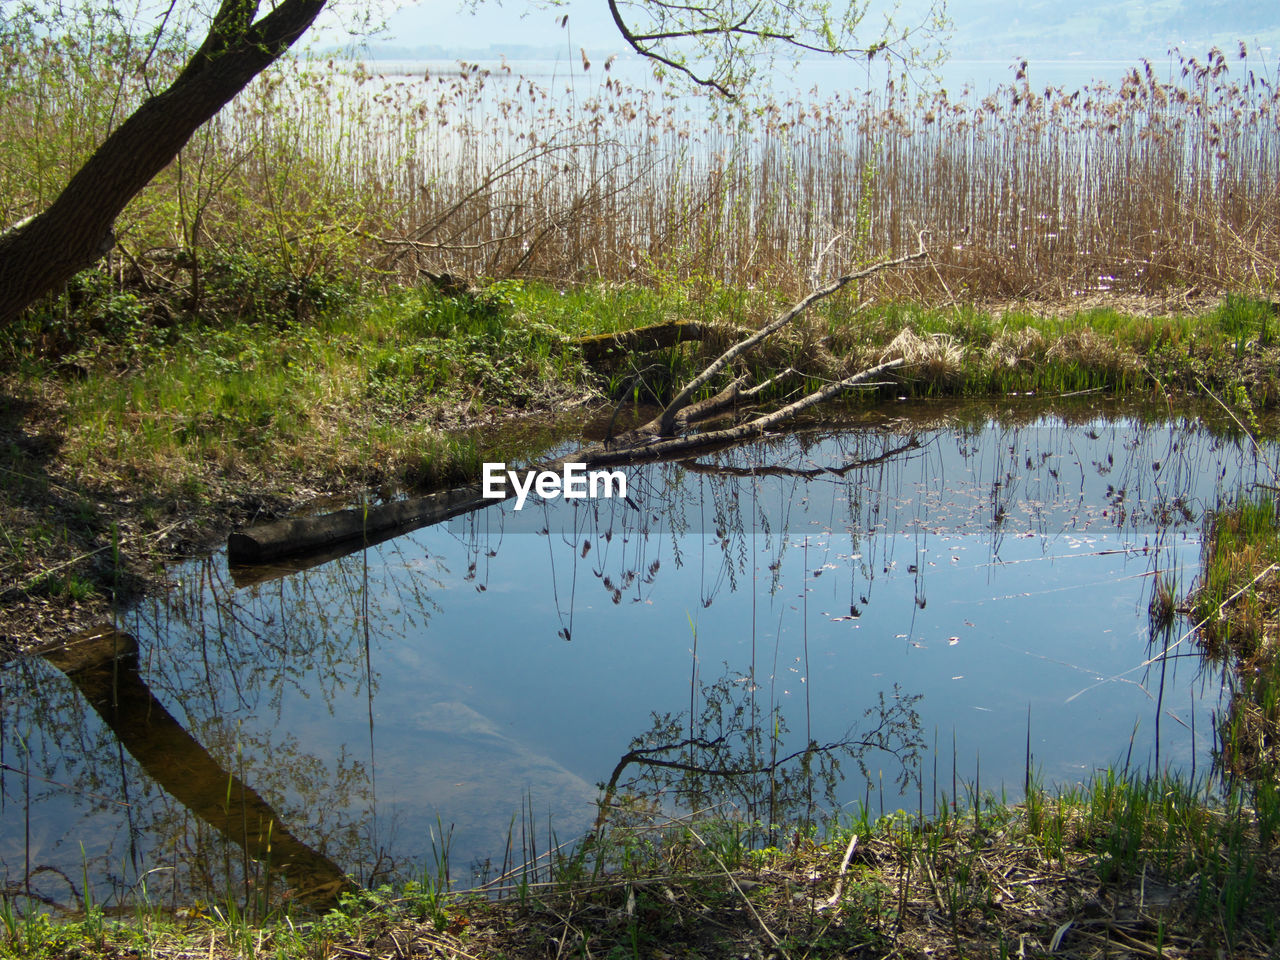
{"x":1121,"y":29}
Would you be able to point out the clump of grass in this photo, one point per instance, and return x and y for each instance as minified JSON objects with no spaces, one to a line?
{"x":1235,"y":604}
{"x":1247,"y":321}
{"x":1015,"y":349}
{"x":937,"y":359}
{"x":1087,"y":349}
{"x":1232,"y":597}
{"x":1162,"y":608}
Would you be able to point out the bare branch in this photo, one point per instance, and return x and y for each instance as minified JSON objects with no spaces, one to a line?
{"x":653,"y":54}
{"x":716,"y":44}
{"x":812,"y":473}
{"x":644,"y":448}
{"x":666,"y":420}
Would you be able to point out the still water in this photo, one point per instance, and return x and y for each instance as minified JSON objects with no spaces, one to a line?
{"x":935,"y":582}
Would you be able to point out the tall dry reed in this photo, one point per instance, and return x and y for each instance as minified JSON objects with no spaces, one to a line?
{"x":322,"y":168}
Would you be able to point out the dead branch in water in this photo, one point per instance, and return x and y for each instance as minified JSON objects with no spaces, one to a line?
{"x":646,"y":443}
{"x":802,"y":473}
{"x":668,"y":436}
{"x":665,"y":422}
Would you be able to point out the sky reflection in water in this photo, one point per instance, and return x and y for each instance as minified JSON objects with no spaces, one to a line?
{"x":455,"y":676}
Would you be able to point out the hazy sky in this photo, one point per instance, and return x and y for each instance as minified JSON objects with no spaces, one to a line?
{"x":464,"y":25}
{"x":1046,"y":27}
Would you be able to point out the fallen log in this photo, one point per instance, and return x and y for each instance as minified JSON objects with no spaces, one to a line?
{"x":299,"y":557}
{"x":666,"y":437}
{"x":601,"y":347}
{"x":265,"y":542}
{"x":648,"y":443}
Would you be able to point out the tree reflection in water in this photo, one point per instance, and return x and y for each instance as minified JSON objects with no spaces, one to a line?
{"x":104,"y":668}
{"x":738,"y":761}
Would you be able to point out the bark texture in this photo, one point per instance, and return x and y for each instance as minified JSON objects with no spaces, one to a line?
{"x":43,"y":253}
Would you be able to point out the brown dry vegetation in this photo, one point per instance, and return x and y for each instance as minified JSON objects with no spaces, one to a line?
{"x":321,"y":170}
{"x":1052,"y":878}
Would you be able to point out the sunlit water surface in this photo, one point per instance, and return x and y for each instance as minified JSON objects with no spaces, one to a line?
{"x":468,"y":686}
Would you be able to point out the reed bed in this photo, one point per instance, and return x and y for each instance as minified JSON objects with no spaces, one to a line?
{"x":324,"y":169}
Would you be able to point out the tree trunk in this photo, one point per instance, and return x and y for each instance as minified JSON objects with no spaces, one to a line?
{"x":43,"y":253}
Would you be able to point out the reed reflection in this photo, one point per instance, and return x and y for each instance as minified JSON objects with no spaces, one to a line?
{"x":422,"y":690}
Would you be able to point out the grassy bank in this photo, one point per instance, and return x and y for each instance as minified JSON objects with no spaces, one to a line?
{"x":1238,"y":600}
{"x":1119,"y":866}
{"x":127,"y":440}
{"x":375,"y":388}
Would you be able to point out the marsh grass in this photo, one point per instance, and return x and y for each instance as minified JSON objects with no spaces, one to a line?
{"x":1143,"y":865}
{"x":324,"y":170}
{"x":1235,"y":601}
{"x":1240,"y":543}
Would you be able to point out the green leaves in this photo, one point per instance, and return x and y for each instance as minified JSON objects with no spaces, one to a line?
{"x":724,"y":46}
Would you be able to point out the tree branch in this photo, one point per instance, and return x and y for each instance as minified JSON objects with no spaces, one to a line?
{"x":646,"y":448}
{"x":651,"y":54}
{"x":723,"y":470}
{"x":666,"y":420}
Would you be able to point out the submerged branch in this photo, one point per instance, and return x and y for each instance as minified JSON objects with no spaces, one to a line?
{"x":722,"y":470}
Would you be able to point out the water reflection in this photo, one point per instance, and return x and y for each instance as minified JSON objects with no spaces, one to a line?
{"x":733,"y":756}
{"x":740,"y":609}
{"x":104,"y":669}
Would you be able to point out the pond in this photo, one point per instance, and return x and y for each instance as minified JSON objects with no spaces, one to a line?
{"x":940,"y":598}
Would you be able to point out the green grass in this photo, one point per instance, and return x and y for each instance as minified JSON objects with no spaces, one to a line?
{"x":1151,"y":863}
{"x":1236,"y":605}
{"x":1240,"y":543}
{"x":358,"y":387}
{"x":355,"y":390}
